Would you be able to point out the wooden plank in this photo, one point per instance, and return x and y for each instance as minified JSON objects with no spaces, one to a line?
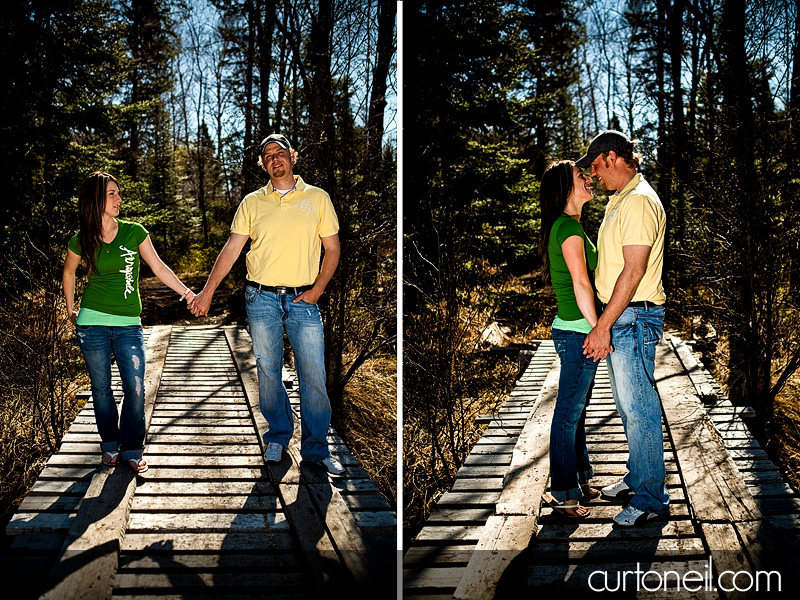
{"x":234,"y":503}
{"x":716,"y":489}
{"x":509,"y":532}
{"x":418,"y":556}
{"x":266,"y":580}
{"x":432,"y":578}
{"x":260,"y":560}
{"x":89,"y":555}
{"x":726,"y":553}
{"x":578,"y":551}
{"x":608,"y":531}
{"x":90,"y":552}
{"x":527,"y":476}
{"x":313,"y":539}
{"x":343,"y":530}
{"x":207,"y":522}
{"x":309,"y":491}
{"x":204,"y":542}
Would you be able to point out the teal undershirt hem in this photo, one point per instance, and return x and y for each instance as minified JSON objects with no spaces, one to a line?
{"x":579,"y":325}
{"x":87,"y":316}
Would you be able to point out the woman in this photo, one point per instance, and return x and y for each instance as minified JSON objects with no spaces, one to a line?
{"x":567,"y":255}
{"x":109,"y":316}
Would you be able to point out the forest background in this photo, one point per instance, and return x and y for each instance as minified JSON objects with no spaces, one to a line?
{"x":710,"y":88}
{"x":173,"y":97}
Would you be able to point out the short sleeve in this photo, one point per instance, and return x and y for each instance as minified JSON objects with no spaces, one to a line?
{"x":639,"y":221}
{"x":241,"y":220}
{"x":140,"y":233}
{"x":328,"y":222}
{"x":74,"y":245}
{"x":567,"y":228}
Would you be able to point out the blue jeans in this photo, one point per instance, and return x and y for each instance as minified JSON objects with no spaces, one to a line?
{"x":630,"y":367}
{"x":269,"y":314}
{"x":118,"y":432}
{"x":569,"y":457}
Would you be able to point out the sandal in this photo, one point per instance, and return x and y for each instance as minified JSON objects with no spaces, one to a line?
{"x":139,"y":466}
{"x":562,"y":509}
{"x":589,"y":493}
{"x":109,"y":459}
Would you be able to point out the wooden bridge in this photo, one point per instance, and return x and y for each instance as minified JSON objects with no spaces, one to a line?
{"x":209,"y":518}
{"x":734,"y":521}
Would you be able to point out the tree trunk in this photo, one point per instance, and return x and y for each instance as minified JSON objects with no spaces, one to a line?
{"x":250,"y":157}
{"x":746,"y":358}
{"x":266,"y":32}
{"x":387,"y":11}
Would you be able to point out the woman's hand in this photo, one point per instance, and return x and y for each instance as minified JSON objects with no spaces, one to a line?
{"x":73,"y":316}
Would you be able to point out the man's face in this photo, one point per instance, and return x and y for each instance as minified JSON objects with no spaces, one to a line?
{"x":277,"y":161}
{"x":602,"y":170}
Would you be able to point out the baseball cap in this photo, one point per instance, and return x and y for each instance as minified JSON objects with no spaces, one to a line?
{"x":604,"y":142}
{"x":275,"y":138}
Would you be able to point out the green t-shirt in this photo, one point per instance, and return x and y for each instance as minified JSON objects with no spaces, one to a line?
{"x":565,"y":227}
{"x":113,"y":287}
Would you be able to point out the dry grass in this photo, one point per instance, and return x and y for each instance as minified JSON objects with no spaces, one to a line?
{"x":427,"y":474}
{"x":784,"y":445}
{"x":439,"y":428}
{"x":787,"y":434}
{"x":368,"y":422}
{"x":40,"y":370}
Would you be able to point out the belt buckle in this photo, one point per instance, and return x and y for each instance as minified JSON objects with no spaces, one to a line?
{"x":280,"y":289}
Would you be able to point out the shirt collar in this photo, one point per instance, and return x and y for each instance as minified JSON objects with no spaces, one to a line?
{"x":299,"y":185}
{"x":628,"y":186}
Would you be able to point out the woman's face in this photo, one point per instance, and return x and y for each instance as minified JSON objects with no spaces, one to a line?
{"x":581,"y":183}
{"x":113,"y":200}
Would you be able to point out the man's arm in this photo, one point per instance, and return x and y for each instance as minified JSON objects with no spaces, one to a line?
{"x":329,"y":263}
{"x":222,"y":266}
{"x":598,"y":342}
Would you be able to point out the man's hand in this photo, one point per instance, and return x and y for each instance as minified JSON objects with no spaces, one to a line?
{"x":311,"y":296}
{"x":201,"y":303}
{"x":597,"y":344}
{"x":73,"y":316}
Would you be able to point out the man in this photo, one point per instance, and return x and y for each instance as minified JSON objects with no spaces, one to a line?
{"x":286,"y":221}
{"x":630,"y":245}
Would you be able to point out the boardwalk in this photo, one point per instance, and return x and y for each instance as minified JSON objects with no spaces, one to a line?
{"x":492,"y":536}
{"x":209,"y":518}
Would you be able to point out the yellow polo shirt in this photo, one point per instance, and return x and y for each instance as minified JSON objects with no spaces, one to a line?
{"x":634,"y":216}
{"x":285,"y":233}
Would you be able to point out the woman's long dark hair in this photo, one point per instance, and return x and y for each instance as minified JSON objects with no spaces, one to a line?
{"x":91,"y":205}
{"x":555,"y":188}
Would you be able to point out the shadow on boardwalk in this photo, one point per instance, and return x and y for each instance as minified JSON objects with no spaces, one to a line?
{"x":209,"y":519}
{"x":732,"y":524}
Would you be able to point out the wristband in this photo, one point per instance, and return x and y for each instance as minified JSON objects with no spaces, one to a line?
{"x":186,"y":293}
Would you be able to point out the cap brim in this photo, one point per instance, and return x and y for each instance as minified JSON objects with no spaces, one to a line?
{"x":585,"y":161}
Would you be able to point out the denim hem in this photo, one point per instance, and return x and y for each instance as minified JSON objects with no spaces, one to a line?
{"x":313,"y":459}
{"x":661,"y":510}
{"x":109,"y":446}
{"x":131,"y":455}
{"x":268,"y":440}
{"x":573,"y":494}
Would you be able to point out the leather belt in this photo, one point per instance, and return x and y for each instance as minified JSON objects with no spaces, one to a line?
{"x":282,"y":289}
{"x":637,"y":304}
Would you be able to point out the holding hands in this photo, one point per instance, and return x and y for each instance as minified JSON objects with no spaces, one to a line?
{"x":597,"y":345}
{"x":200,"y":303}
